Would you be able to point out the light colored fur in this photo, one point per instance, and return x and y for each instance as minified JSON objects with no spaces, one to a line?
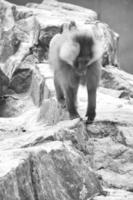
{"x":98,"y":51}
{"x":62,"y":46}
{"x":69,"y":52}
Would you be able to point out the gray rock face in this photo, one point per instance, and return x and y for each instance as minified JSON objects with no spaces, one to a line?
{"x":4,"y":83}
{"x":43,"y":154}
{"x":48,"y":173}
{"x":117,"y":79}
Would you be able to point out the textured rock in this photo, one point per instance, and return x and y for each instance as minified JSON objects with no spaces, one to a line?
{"x":118,"y":79}
{"x":43,"y":154}
{"x":6,"y":24}
{"x":55,"y":171}
{"x":37,"y":88}
{"x":4,"y":83}
{"x":21,"y":80}
{"x":20,"y":14}
{"x":116,"y":194}
{"x":111,"y":45}
{"x":26,"y":31}
{"x":106,"y":146}
{"x":13,"y":105}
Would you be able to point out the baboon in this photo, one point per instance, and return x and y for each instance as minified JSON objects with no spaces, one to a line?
{"x":74,"y":56}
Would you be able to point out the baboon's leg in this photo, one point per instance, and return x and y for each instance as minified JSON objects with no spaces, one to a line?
{"x":91,"y":109}
{"x":93,"y":77}
{"x":59,"y":92}
{"x":71,"y":98}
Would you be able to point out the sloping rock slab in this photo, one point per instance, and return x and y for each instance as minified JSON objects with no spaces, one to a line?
{"x":118,"y":79}
{"x":53,"y":171}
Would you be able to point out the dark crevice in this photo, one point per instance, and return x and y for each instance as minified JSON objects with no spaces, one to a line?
{"x":40,"y":140}
{"x":33,"y":171}
{"x":130,"y":190}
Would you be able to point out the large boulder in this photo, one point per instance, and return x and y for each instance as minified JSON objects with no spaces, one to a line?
{"x":44,"y":154}
{"x":119,"y":80}
{"x":53,"y":171}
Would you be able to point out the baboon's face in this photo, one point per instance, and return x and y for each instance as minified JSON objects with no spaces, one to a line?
{"x":82,"y":61}
{"x":80,"y":65}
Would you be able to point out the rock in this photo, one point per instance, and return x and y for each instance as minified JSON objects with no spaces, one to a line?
{"x":18,"y":14}
{"x":26,"y":32}
{"x":14,"y":105}
{"x":6,"y":24}
{"x":118,"y":80}
{"x":44,"y":154}
{"x":6,"y":16}
{"x":111,"y":45}
{"x":4,"y":83}
{"x":44,"y":39}
{"x":21,"y":80}
{"x":6,"y":47}
{"x":116,"y":194}
{"x":37,"y":88}
{"x":55,"y":171}
{"x":51,"y":112}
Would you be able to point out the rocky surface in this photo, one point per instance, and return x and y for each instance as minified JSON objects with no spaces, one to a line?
{"x":43,"y":154}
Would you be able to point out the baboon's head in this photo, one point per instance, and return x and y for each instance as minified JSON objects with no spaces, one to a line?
{"x":86,"y":53}
{"x":80,"y":50}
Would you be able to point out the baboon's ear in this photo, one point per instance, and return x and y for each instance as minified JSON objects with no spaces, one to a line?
{"x":69,"y":51}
